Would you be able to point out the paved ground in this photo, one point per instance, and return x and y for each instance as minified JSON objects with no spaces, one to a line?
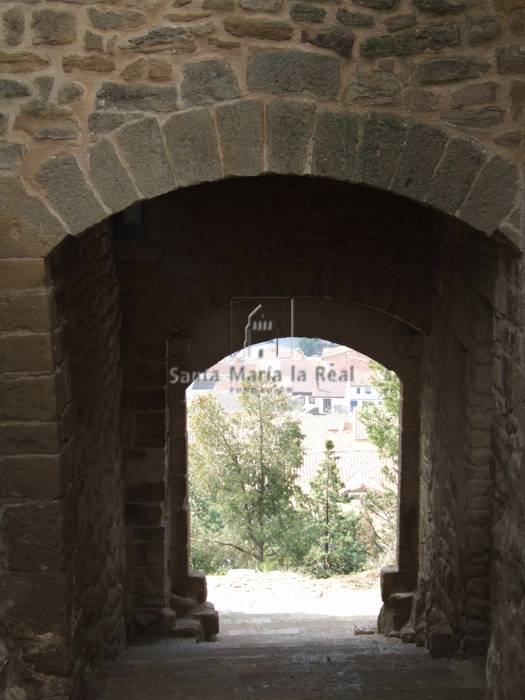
{"x":291,"y":638}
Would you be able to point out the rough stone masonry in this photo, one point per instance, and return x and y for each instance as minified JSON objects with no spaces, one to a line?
{"x":364,"y":156}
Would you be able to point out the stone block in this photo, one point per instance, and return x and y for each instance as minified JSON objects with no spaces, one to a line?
{"x":54,"y":27}
{"x":207,"y":81}
{"x":479,"y":118}
{"x":261,"y":5}
{"x":23,"y":593}
{"x":31,"y":476}
{"x":477,"y":93}
{"x":34,"y":537}
{"x":306,"y":12}
{"x":13,"y":88}
{"x":378,"y":4}
{"x":423,"y":149}
{"x":289,"y":127}
{"x":379,"y":150}
{"x":116,"y":20}
{"x":441,"y":642}
{"x":192,"y":144}
{"x":241,"y":137}
{"x":335,"y":38}
{"x":294,"y":71}
{"x":150,"y":429}
{"x":196,"y":586}
{"x":69,"y":192}
{"x":93,"y":63}
{"x":400,"y":22}
{"x":14,"y":25}
{"x":25,"y":311}
{"x":22,"y":62}
{"x":27,"y":352}
{"x":432,"y":36}
{"x":143,"y":148}
{"x":178,"y":40}
{"x":354,"y":19}
{"x":483,"y":29}
{"x":143,"y":514}
{"x":510,"y":60}
{"x":440,"y":7}
{"x":146,"y":464}
{"x":492,"y":195}
{"x":147,"y":98}
{"x":27,"y":398}
{"x":146,"y":492}
{"x":449,"y":70}
{"x":256,"y":28}
{"x":29,"y":438}
{"x":335,"y":145}
{"x":22,"y":274}
{"x":109,"y":176}
{"x":11,"y":155}
{"x":454,"y":175}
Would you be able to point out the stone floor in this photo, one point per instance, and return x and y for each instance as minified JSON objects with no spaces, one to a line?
{"x":296,"y":655}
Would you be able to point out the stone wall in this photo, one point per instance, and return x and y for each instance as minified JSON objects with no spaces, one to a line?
{"x":87,"y":356}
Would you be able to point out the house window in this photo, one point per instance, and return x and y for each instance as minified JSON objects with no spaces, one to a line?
{"x":311,"y":399}
{"x":352,"y":373}
{"x":327,"y":405}
{"x":368,"y":389}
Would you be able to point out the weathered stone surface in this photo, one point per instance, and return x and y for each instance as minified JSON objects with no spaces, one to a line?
{"x":92,"y":63}
{"x":483,"y":29}
{"x":11,"y":155}
{"x":440,"y":7}
{"x":433,"y":36}
{"x":44,"y":85}
{"x":306,"y":12}
{"x":336,"y":38}
{"x":294,"y":71}
{"x":4,"y":123}
{"x":22,"y":62}
{"x":378,"y":4}
{"x":69,"y":92}
{"x":335,"y":146}
{"x":13,"y":88}
{"x":354,"y":19}
{"x":457,"y":169}
{"x":276,"y":30}
{"x":28,"y":227}
{"x":54,"y":27}
{"x":223,"y":43}
{"x":261,"y":5}
{"x":241,"y":136}
{"x":517,"y":98}
{"x":492,"y":195}
{"x":111,"y":19}
{"x":423,"y":148}
{"x":69,"y":193}
{"x":150,"y":98}
{"x":475,"y":118}
{"x":207,"y":81}
{"x":143,"y":148}
{"x":512,"y":139}
{"x":110,"y":177}
{"x":27,"y":398}
{"x":177,"y":40}
{"x":93,"y":42}
{"x":104,"y":122}
{"x":450,"y":70}
{"x":159,"y":68}
{"x":28,"y":438}
{"x":400,"y":22}
{"x":31,"y":476}
{"x":223,"y":5}
{"x":476,"y":94}
{"x":44,"y":120}
{"x":511,"y":60}
{"x":135,"y":70}
{"x":14,"y":25}
{"x":192,"y":144}
{"x":378,"y":86}
{"x":34,"y":538}
{"x":289,"y":127}
{"x":380,"y":149}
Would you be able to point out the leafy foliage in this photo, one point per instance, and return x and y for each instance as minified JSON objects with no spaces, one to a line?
{"x":313,"y":346}
{"x":382,"y":424}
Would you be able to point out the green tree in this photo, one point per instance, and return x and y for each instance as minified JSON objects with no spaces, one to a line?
{"x":382,"y":424}
{"x":313,"y":346}
{"x":244,"y":467}
{"x":336,"y":545}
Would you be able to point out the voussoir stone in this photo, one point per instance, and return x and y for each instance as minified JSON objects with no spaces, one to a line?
{"x":241,"y":136}
{"x":54,"y":27}
{"x":379,"y":151}
{"x":450,"y":70}
{"x":454,"y":175}
{"x":336,"y":139}
{"x":150,"y":98}
{"x":109,"y":176}
{"x":289,"y":127}
{"x":143,"y":149}
{"x":294,"y":71}
{"x":191,"y":141}
{"x":424,"y":147}
{"x":492,"y":195}
{"x":207,"y":81}
{"x":256,"y":28}
{"x":69,"y":192}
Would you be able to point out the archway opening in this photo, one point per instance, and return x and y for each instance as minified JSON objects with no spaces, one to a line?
{"x":293,"y":459}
